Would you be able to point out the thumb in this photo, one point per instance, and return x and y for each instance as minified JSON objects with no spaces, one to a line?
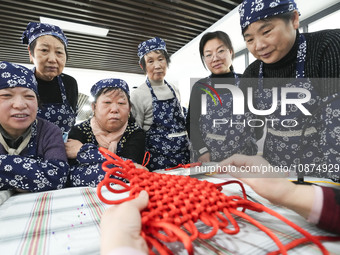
{"x":142,"y":200}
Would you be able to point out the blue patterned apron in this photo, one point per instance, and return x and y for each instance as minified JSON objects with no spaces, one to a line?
{"x":60,"y":114}
{"x":328,"y":117}
{"x":293,"y":145}
{"x":167,"y":139}
{"x":224,"y":140}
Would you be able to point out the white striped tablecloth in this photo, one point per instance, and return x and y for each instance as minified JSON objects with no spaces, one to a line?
{"x":67,"y":222}
{"x":56,"y":222}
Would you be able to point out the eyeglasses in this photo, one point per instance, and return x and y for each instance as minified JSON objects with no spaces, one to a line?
{"x":220,"y":54}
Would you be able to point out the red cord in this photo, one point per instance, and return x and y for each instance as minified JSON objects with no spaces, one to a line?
{"x":176,"y":203}
{"x":184,"y":166}
{"x":146,"y":156}
{"x":303,"y":240}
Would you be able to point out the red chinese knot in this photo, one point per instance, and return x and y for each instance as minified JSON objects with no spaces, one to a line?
{"x":176,"y":203}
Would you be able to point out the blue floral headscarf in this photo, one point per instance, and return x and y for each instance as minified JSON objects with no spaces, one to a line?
{"x":35,"y":30}
{"x":13,"y":75}
{"x":110,"y":83}
{"x":152,"y":44}
{"x":254,"y":10}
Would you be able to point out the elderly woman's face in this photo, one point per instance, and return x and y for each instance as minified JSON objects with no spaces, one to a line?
{"x":156,"y":66}
{"x":49,"y":57}
{"x":18,"y":107}
{"x":271,"y":40}
{"x":112,"y":110}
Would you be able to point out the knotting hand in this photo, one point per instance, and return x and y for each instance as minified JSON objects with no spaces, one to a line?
{"x":121,"y":225}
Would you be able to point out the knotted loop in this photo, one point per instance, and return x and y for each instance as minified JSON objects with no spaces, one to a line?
{"x":176,"y":203}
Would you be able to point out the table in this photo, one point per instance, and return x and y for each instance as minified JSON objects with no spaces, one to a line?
{"x":67,"y":222}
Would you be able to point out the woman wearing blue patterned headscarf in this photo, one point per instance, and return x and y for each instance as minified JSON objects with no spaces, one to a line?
{"x":294,"y":59}
{"x":32,"y":152}
{"x":47,"y":47}
{"x":111,"y":127}
{"x":158,"y":110}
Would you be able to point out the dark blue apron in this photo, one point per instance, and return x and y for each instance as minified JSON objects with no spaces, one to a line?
{"x":224,"y":140}
{"x":299,"y":143}
{"x":60,"y":114}
{"x":167,"y":139}
{"x":328,"y":117}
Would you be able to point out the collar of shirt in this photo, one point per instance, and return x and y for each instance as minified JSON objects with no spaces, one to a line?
{"x":14,"y":143}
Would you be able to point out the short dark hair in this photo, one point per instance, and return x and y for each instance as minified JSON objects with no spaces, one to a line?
{"x":163,"y":52}
{"x":224,"y":37}
{"x":286,"y":17}
{"x":34,"y":43}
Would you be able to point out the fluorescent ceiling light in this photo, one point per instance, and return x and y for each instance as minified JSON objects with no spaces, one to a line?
{"x":76,"y":27}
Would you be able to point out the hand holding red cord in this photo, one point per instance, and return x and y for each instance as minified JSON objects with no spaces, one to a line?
{"x":176,"y":203}
{"x":127,"y":219}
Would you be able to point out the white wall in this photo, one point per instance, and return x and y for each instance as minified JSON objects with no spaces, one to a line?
{"x":186,"y":62}
{"x":86,"y":77}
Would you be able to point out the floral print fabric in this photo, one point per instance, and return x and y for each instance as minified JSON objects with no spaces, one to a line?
{"x":167,"y":139}
{"x":253,"y":10}
{"x":60,"y":114}
{"x":32,"y":170}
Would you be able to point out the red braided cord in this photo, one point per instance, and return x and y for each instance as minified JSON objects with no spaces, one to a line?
{"x":219,"y":187}
{"x":233,"y":222}
{"x":263,"y":228}
{"x":146,"y":156}
{"x":299,"y":229}
{"x":303,"y":240}
{"x":176,"y":203}
{"x":184,"y":166}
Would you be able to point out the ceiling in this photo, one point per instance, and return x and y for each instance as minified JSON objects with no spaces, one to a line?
{"x":129,"y":22}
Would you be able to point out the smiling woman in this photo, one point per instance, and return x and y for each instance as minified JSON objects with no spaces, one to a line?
{"x":287,"y":59}
{"x":27,"y":142}
{"x":112,"y":127}
{"x":270,"y":40}
{"x":211,"y":141}
{"x":24,"y":102}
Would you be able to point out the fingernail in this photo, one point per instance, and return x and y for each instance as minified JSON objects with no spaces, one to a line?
{"x":143,"y":193}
